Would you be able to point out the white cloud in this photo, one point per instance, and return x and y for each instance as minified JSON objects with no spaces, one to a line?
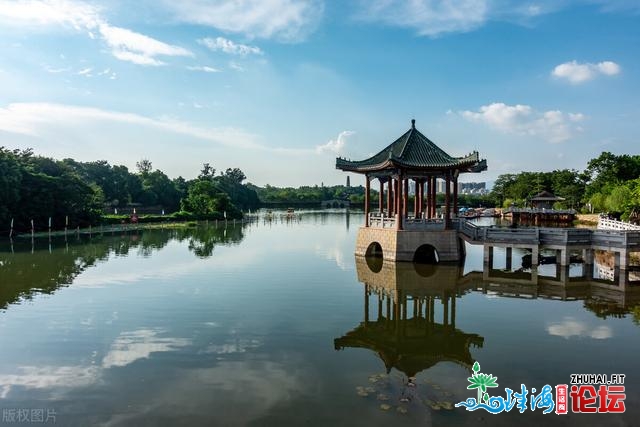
{"x":203,"y":68}
{"x":577,"y":73}
{"x":78,"y":15}
{"x":335,"y":145}
{"x":45,"y":377}
{"x":552,"y":126}
{"x":286,"y":20}
{"x":229,"y":46}
{"x":130,"y":46}
{"x":569,"y":327}
{"x":125,"y":44}
{"x":85,"y":72}
{"x":139,"y":344}
{"x":428,"y":17}
{"x":31,"y":118}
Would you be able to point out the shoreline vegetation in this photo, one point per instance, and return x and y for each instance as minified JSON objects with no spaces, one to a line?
{"x":40,"y":194}
{"x":126,"y":227}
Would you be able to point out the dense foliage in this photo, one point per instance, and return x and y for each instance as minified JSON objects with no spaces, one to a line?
{"x":38,"y":188}
{"x":315,"y":194}
{"x":610,"y":183}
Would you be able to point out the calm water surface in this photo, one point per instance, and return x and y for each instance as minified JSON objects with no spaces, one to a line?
{"x":264,"y":324}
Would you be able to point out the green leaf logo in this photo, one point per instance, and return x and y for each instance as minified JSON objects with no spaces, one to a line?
{"x":481,"y":382}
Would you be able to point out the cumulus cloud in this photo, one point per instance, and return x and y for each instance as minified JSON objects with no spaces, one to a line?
{"x":228,"y":46}
{"x":577,"y":73}
{"x":570,"y":327}
{"x":335,"y":145}
{"x":428,"y":17}
{"x":552,"y":126}
{"x":78,"y":15}
{"x":125,"y":44}
{"x":286,"y":20}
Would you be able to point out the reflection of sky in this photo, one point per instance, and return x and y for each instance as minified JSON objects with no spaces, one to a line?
{"x":139,"y":344}
{"x":246,"y":335}
{"x":570,"y":327}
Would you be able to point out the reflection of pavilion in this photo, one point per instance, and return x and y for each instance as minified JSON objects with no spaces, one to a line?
{"x":400,"y":317}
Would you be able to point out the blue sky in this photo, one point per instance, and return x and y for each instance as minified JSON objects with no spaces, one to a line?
{"x":279,"y":88}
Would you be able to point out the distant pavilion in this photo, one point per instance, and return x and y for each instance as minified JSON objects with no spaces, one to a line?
{"x":545,"y":200}
{"x":412,"y":156}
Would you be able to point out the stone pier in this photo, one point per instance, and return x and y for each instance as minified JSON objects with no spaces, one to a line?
{"x":403,"y":245}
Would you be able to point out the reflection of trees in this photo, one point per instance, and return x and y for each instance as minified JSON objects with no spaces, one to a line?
{"x":202,"y":240}
{"x":605,"y":309}
{"x":25,"y":273}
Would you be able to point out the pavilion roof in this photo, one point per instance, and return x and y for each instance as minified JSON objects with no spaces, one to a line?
{"x":545,"y":196}
{"x":416,"y":351}
{"x":413,"y":151}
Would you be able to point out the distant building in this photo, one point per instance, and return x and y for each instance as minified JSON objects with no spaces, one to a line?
{"x":472,"y":188}
{"x":348,"y":182}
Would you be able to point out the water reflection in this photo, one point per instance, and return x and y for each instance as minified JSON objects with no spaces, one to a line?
{"x":399,"y":305}
{"x":28,"y":267}
{"x":401,"y":324}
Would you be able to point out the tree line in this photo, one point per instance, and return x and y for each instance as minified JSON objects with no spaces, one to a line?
{"x":77,"y":193}
{"x":609,"y":183}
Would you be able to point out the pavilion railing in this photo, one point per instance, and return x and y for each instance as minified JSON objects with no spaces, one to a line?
{"x":380,"y":220}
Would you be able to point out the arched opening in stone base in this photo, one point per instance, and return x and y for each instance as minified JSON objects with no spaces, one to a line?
{"x":426,"y":254}
{"x":373,"y":256}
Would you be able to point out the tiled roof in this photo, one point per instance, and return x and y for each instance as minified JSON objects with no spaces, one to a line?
{"x":413,"y":150}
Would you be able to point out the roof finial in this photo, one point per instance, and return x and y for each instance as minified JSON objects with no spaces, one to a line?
{"x":413,"y":123}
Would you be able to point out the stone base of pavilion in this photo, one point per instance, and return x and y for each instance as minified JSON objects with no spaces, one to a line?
{"x":402,"y":245}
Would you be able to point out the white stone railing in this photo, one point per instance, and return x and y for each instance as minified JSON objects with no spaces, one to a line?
{"x":612,"y":224}
{"x":378,"y":220}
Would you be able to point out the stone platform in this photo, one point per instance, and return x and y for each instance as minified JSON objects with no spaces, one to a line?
{"x":401,"y":245}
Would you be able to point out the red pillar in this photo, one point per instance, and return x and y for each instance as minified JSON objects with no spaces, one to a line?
{"x":399,"y":203}
{"x":390,"y":197}
{"x":416,"y":199}
{"x":447,"y":203}
{"x":381,"y":196}
{"x":427,"y":208}
{"x":433,"y":197}
{"x":405,"y":198}
{"x":455,"y":195}
{"x":367,"y":187}
{"x":420,"y":198}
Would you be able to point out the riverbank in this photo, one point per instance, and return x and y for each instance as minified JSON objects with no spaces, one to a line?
{"x":122,"y":228}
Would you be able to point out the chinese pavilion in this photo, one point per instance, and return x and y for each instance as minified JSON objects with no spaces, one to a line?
{"x":415,"y":157}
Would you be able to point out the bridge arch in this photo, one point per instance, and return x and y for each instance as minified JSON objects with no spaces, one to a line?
{"x":426,"y":254}
{"x":374,"y":257}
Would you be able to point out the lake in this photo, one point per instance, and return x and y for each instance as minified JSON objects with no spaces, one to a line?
{"x":270,"y":323}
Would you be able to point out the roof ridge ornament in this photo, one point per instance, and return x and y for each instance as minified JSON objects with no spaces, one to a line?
{"x":413,"y":123}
